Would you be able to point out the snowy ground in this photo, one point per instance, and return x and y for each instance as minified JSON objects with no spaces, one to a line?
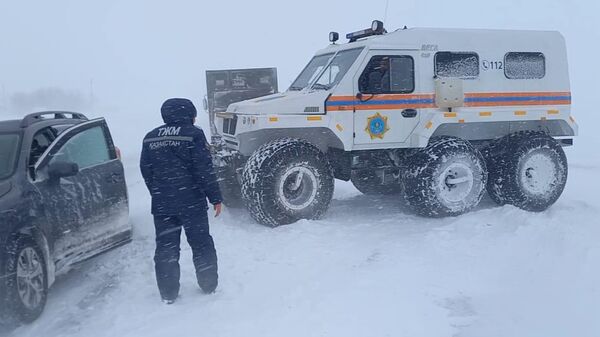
{"x":369,"y":268}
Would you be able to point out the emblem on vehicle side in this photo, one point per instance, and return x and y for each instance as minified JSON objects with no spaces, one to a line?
{"x":377,"y":126}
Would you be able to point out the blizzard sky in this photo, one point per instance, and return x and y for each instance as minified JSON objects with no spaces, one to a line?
{"x":132,"y":54}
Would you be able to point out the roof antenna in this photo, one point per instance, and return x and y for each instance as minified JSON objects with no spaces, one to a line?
{"x":387,"y":5}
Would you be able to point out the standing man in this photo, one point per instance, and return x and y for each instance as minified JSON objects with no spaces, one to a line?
{"x":177,"y":168}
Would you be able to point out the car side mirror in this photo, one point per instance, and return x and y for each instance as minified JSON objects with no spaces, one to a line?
{"x":62,"y":169}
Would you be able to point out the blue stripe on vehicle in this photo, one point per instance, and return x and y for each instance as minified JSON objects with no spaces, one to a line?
{"x":517,"y":99}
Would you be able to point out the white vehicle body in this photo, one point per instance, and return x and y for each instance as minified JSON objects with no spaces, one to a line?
{"x":493,"y":104}
{"x":439,"y":116}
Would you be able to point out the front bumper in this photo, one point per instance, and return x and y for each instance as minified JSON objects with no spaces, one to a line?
{"x":228,"y":163}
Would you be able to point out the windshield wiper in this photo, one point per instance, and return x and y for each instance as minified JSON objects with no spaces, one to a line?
{"x":319,"y":86}
{"x":296,"y":88}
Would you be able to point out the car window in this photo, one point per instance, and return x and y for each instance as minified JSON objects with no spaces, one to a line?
{"x":9,"y":146}
{"x":388,"y":75}
{"x":39,"y":144}
{"x":312,"y":70}
{"x":87,"y":148}
{"x":456,"y":64}
{"x":524,"y":65}
{"x":336,"y":70}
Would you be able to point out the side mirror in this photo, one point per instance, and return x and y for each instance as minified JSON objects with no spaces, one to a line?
{"x":62,"y":169}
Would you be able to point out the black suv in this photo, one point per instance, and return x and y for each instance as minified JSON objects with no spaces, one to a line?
{"x":63,"y":199}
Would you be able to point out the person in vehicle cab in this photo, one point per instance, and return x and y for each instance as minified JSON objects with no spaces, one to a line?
{"x":177,"y":168}
{"x":379,"y":77}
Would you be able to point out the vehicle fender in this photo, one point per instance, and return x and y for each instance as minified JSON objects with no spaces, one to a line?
{"x":32,"y":231}
{"x":321,"y":137}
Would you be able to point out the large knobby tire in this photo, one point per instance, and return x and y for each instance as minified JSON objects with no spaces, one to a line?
{"x":526,"y":169}
{"x":25,"y":284}
{"x":287,"y":180}
{"x":447,"y":178}
{"x":367,"y":182}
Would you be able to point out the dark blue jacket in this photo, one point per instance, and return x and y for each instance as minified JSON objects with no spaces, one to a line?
{"x":176,"y":163}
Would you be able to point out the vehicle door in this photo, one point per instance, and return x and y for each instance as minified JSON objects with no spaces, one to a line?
{"x":387,"y":101}
{"x":87,"y":193}
{"x":62,"y":199}
{"x":112,"y":217}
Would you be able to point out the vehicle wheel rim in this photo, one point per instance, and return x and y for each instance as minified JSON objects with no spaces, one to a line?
{"x":30,"y":278}
{"x":538,"y":174}
{"x":455,"y":183}
{"x":298,"y":188}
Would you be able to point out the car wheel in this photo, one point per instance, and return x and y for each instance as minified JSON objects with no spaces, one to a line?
{"x":447,"y":178}
{"x":526,"y":169}
{"x":285,"y":181}
{"x":26,"y":283}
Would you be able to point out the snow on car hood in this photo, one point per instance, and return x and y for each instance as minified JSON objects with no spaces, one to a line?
{"x":289,"y":102}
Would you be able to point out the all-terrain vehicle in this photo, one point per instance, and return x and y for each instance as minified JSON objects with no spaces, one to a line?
{"x":435,"y":116}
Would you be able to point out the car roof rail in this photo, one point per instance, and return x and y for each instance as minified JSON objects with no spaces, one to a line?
{"x":49,"y":115}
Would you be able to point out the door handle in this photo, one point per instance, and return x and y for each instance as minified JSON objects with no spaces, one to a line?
{"x":409,"y":113}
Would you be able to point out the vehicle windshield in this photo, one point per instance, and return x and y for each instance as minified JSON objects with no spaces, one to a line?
{"x":337,"y":69}
{"x":311,"y":71}
{"x":9,"y":146}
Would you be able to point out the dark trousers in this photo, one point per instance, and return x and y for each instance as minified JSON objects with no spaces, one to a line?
{"x":166,"y":258}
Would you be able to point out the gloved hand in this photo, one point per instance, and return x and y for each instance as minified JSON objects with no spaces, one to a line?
{"x":217,"y":208}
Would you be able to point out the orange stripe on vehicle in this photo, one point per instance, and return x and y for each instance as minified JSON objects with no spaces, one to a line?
{"x":449,"y":114}
{"x":520,"y":113}
{"x":313,"y":118}
{"x":367,"y":97}
{"x":485,"y":113}
{"x":553,"y":112}
{"x":273,"y":119}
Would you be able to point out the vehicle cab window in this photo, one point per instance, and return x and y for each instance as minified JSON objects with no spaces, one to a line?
{"x":86,"y":149}
{"x":311,"y":71}
{"x":337,"y":68}
{"x":388,"y":75}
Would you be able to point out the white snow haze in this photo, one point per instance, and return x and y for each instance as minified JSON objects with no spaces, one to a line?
{"x":369,"y":267}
